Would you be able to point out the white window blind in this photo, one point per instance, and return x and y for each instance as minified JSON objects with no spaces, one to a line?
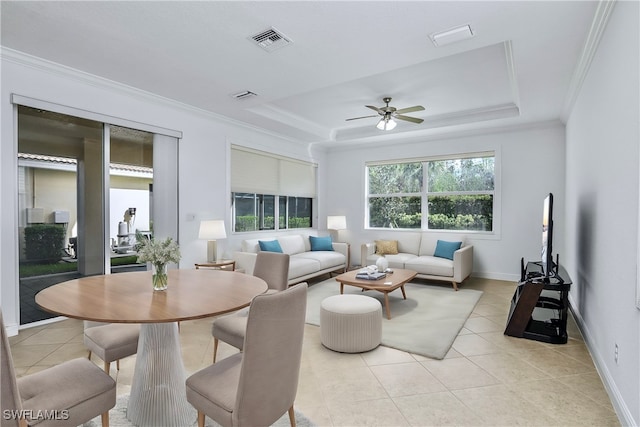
{"x":259,"y":172}
{"x":253,"y":173}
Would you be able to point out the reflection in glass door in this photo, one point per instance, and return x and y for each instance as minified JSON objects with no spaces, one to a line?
{"x":59,"y":164}
{"x":130,"y":189}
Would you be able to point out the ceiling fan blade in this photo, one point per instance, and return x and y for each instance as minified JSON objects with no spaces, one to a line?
{"x":410,"y":109}
{"x":408,"y":119}
{"x":375,"y":109}
{"x":363,"y":117}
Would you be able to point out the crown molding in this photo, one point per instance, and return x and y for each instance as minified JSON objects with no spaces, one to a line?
{"x":421,"y":137}
{"x":457,"y":118}
{"x":287,"y":118}
{"x":511,"y":72}
{"x":596,"y":31}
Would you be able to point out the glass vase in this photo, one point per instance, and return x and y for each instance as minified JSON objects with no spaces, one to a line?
{"x":159,"y":277}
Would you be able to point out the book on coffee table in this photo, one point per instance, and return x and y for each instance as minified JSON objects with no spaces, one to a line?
{"x":371,"y":276}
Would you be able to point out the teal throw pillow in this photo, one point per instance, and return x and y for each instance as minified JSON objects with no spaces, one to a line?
{"x":270,"y":246}
{"x":321,"y":243}
{"x":446,"y":249}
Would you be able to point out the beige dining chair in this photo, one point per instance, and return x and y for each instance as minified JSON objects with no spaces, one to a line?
{"x":111,"y":341}
{"x":273,"y":268}
{"x":68,"y":394}
{"x":259,"y":385}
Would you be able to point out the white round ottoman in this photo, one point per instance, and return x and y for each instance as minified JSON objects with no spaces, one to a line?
{"x":350,"y":323}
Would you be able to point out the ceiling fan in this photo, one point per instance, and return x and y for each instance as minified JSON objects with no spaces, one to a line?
{"x":388,"y":114}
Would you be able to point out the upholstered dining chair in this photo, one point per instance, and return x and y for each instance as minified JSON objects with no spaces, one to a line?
{"x":257,"y":386}
{"x":68,"y":394}
{"x":273,"y":268}
{"x":111,"y":341}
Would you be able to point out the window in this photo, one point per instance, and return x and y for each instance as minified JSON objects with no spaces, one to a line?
{"x":438,"y":194}
{"x":253,"y":212}
{"x":270,"y":192}
{"x":394,"y":195}
{"x":298,"y":212}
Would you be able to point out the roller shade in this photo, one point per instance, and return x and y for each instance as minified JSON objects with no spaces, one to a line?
{"x":259,"y":172}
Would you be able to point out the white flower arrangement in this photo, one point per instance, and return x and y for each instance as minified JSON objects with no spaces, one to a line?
{"x":157,"y":252}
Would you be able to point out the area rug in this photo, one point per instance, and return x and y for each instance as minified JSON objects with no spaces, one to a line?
{"x":426,"y":323}
{"x":118,"y":417}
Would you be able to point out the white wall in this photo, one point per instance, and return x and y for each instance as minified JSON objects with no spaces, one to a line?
{"x":203,"y":154}
{"x":529,"y":164}
{"x":602,"y":208}
{"x":530,"y":161}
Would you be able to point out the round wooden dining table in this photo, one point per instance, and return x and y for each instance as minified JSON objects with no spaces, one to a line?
{"x":158,"y":394}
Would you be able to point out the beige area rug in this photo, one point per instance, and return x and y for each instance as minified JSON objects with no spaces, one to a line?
{"x":426,"y":323}
{"x":118,"y":417}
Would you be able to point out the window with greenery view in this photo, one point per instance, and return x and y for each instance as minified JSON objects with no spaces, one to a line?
{"x":450,"y":194}
{"x":253,"y":212}
{"x":394,"y":195}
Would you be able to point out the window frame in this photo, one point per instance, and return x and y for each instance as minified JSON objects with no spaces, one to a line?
{"x":424,"y":194}
{"x":276,"y":214}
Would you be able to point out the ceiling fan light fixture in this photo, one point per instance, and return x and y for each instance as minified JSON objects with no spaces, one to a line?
{"x":386,"y":123}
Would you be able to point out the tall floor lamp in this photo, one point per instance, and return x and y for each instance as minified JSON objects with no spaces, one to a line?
{"x":212,"y":230}
{"x":336,"y":223}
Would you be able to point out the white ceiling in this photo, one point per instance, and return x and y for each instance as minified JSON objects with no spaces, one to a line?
{"x":516,"y":69}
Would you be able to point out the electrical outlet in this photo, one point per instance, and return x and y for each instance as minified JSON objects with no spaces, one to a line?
{"x":616,"y":354}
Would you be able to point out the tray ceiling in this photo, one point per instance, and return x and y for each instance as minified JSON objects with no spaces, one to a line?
{"x":338,"y":57}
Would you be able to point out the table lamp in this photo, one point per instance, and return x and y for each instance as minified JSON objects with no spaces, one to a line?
{"x":337,"y":223}
{"x":212,"y":230}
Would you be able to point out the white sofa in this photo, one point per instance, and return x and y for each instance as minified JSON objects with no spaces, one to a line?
{"x":416,"y":252}
{"x":303,"y":262}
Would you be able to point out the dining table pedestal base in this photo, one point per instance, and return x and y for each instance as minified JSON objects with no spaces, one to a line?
{"x":158,"y":393}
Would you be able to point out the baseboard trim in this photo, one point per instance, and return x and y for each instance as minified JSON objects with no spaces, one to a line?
{"x":622,"y":410}
{"x":496,"y":276}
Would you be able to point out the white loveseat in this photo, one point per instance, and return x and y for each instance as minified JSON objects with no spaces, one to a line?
{"x":303,"y":262}
{"x":416,"y":252}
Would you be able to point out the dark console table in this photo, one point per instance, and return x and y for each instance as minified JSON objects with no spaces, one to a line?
{"x":539,"y":305}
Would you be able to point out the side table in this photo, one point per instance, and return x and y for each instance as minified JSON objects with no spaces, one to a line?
{"x":223,"y":264}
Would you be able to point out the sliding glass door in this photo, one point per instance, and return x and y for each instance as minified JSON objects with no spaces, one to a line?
{"x":85,"y":188}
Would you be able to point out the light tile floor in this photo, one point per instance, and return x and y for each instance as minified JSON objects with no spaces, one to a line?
{"x":487,"y":378}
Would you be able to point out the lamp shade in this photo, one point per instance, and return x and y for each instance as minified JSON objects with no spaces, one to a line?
{"x":336,"y":222}
{"x":211,"y":230}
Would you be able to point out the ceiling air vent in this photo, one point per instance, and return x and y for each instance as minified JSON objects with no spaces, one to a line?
{"x":244,"y":94}
{"x":270,"y":39}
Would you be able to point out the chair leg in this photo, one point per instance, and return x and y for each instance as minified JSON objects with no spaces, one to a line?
{"x":89,"y":355}
{"x":105,"y":419}
{"x":200,"y":419}
{"x":215,"y":349}
{"x":292,"y":417}
{"x":107,"y":367}
{"x":455,"y":286}
{"x":118,"y":364}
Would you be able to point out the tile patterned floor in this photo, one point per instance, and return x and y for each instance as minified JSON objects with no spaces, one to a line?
{"x":486,"y":379}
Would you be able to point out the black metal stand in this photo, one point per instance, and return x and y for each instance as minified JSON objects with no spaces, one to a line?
{"x":539,"y":305}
